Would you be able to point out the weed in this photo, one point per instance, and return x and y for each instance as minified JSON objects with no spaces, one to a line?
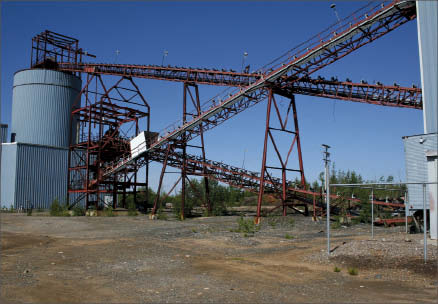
{"x":194,"y":230}
{"x":246,"y":226}
{"x":335,"y":225}
{"x":57,"y":209}
{"x":288,"y":236}
{"x":337,"y":269}
{"x":109,"y":212}
{"x":132,"y":211}
{"x":291,"y":222}
{"x":161,"y":215}
{"x":236,"y":259}
{"x":78,"y":211}
{"x":353,"y":271}
{"x":355,"y":220}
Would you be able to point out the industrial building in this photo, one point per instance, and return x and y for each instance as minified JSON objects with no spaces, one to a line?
{"x":34,"y":162}
{"x":57,"y":152}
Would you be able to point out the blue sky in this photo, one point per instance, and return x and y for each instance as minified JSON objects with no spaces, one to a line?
{"x":363,"y":137}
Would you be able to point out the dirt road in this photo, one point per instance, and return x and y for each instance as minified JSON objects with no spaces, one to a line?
{"x":203,"y":260}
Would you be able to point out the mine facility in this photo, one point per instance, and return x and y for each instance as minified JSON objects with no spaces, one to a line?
{"x":78,"y":152}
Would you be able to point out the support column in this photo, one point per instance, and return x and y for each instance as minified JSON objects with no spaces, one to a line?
{"x":265,"y":176}
{"x":163,"y":170}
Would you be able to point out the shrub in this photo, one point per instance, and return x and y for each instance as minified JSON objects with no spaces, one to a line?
{"x":288,"y":236}
{"x":247,"y":227}
{"x":132,"y":211}
{"x":336,"y":269}
{"x":78,"y":211}
{"x":56,"y":209}
{"x":161,"y":215}
{"x":29,"y":212}
{"x":108,"y":212}
{"x":353,"y":271}
{"x":355,"y":220}
{"x":335,"y":225}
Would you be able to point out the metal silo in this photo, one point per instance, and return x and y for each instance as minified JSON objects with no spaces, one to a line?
{"x":41,"y":105}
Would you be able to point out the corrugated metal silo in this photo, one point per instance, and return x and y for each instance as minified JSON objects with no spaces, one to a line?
{"x":41,"y":106}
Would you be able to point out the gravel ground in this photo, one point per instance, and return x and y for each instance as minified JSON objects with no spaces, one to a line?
{"x":205,"y":260}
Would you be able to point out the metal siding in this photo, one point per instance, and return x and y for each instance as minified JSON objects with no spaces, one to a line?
{"x":8,"y":173}
{"x":41,"y":175}
{"x":416,"y":166}
{"x":427,"y":22}
{"x":4,"y":134}
{"x":41,"y":106}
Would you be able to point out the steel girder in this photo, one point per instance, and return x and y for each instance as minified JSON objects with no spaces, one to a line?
{"x":326,"y":48}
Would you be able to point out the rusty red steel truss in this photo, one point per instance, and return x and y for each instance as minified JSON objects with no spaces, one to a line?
{"x":378,"y":94}
{"x":108,"y":167}
{"x":246,"y":180}
{"x":293,"y":67}
{"x":354,"y":36}
{"x":49,"y":48}
{"x":104,"y":120}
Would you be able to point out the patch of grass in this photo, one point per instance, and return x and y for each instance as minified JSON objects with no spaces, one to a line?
{"x":40,"y":210}
{"x":194,"y":230}
{"x":246,"y":226}
{"x":355,"y":220}
{"x":335,"y":225}
{"x":108,"y":212}
{"x":292,"y":222}
{"x":288,"y":236}
{"x":353,"y":271}
{"x":236,"y":259}
{"x":132,"y":211}
{"x":78,"y":211}
{"x":337,"y":269}
{"x":58,"y":209}
{"x":161,"y":215}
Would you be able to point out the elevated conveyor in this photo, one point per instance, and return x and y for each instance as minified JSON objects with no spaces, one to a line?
{"x":353,"y":32}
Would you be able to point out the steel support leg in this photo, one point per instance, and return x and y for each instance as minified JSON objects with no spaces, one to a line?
{"x":163,"y":170}
{"x":262,"y":171}
{"x":207,"y":188}
{"x":283,"y":159}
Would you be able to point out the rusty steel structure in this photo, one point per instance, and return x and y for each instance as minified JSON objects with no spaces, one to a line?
{"x":109,"y":168}
{"x":106,"y":119}
{"x":49,"y":48}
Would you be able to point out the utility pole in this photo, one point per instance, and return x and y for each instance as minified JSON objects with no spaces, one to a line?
{"x":333,"y":6}
{"x":245,"y":54}
{"x":165,"y":53}
{"x":406,"y":212}
{"x":327,"y":193}
{"x":243,"y":163}
{"x":117,"y":55}
{"x":372,"y":213}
